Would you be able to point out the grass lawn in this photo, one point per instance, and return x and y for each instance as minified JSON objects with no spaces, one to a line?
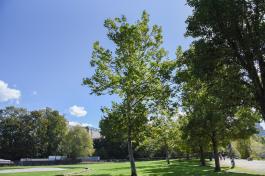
{"x":149,"y":168}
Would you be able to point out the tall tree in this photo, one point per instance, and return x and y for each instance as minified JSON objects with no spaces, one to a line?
{"x":131,"y":71}
{"x":16,"y":140}
{"x":238,"y":28}
{"x":40,"y":133}
{"x":49,"y":132}
{"x":56,"y":131}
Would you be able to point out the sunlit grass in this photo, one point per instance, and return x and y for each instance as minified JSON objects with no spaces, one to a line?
{"x":147,"y":168}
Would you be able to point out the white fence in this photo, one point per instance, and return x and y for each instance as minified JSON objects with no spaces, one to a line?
{"x":92,"y":158}
{"x":3,"y":162}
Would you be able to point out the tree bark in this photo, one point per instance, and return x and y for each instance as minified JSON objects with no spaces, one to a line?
{"x":167,"y":157}
{"x":167,"y":151}
{"x":187,"y":156}
{"x":130,"y":147}
{"x":131,"y":157}
{"x":215,"y":152}
{"x":202,"y":158}
{"x":262,"y":107}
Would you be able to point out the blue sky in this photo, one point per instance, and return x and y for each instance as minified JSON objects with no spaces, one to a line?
{"x":46,"y":45}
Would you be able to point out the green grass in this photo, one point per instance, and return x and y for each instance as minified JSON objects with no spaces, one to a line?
{"x":147,"y":168}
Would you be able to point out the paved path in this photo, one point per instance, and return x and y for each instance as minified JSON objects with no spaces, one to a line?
{"x":255,"y":165}
{"x":35,"y":169}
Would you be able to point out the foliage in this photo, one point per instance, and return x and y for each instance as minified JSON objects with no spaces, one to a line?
{"x":252,"y":147}
{"x":15,"y":133}
{"x":133,"y":72}
{"x":78,"y":142}
{"x":257,"y":147}
{"x":55,"y":132}
{"x":110,"y":149}
{"x":243,"y":147}
{"x":213,"y":101}
{"x":25,"y":134}
{"x":114,"y":126}
{"x":162,"y":133}
{"x":233,"y":32}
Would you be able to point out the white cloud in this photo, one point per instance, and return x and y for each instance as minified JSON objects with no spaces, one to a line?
{"x":34,"y":92}
{"x":78,"y":111}
{"x":7,"y":93}
{"x":80,"y":124}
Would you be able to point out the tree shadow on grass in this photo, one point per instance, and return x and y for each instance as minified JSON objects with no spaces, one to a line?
{"x":190,"y":168}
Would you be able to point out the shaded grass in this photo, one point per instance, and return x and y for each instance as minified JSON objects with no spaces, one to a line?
{"x":186,"y":168}
{"x":144,"y":168}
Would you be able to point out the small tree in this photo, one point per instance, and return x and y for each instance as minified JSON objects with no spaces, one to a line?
{"x":78,"y":142}
{"x":162,"y":133}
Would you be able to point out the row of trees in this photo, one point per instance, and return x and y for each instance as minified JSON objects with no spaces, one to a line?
{"x":218,"y":105}
{"x":39,"y":134}
{"x":218,"y":83}
{"x":222,"y":75}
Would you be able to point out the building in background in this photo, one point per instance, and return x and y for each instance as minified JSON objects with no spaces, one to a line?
{"x":94,"y":132}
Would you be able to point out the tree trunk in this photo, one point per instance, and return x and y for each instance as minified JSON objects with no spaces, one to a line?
{"x":215,"y":152}
{"x":259,"y":85}
{"x":167,"y":157}
{"x":131,"y":157}
{"x":211,"y":156}
{"x":187,"y":156}
{"x":167,"y":152}
{"x":202,"y":158}
{"x":262,"y":107}
{"x":130,"y":147}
